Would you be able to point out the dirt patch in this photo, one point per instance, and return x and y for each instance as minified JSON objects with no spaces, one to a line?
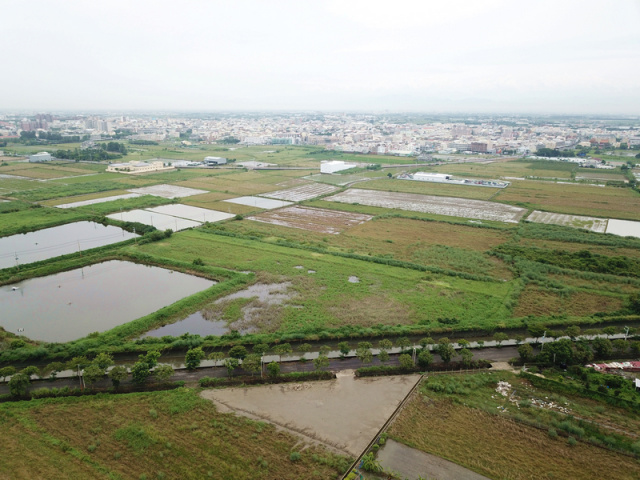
{"x":450,"y":206}
{"x":313,"y":219}
{"x":302,"y":192}
{"x":344,"y":413}
{"x":589,"y":223}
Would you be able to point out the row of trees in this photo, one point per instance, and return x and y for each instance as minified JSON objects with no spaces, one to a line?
{"x":569,"y":352}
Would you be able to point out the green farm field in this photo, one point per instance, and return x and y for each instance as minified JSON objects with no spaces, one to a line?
{"x":463,"y":419}
{"x":173,"y":434}
{"x":431,"y":188}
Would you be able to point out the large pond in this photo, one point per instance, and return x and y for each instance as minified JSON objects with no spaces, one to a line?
{"x":626,"y":228}
{"x":70,"y":305}
{"x":56,"y":241}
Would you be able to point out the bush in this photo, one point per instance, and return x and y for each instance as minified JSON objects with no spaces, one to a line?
{"x":572,"y":441}
{"x":552,"y":433}
{"x":295,"y":456}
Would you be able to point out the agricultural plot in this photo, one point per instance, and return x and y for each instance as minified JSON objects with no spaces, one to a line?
{"x":624,"y":228}
{"x":158,"y":220}
{"x":167,"y":191}
{"x":94,"y":201}
{"x":314,"y":219}
{"x":345,"y":179}
{"x":258,"y":202}
{"x":588,"y":223}
{"x":449,"y":206}
{"x":578,"y":199}
{"x":432,"y":188}
{"x":303,"y":192}
{"x":196,"y":214}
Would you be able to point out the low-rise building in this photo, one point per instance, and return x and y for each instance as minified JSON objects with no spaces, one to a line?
{"x":209,"y":161}
{"x":40,"y":157}
{"x":139,"y":167}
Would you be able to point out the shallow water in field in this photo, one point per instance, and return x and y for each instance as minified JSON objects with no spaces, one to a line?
{"x":70,"y":305}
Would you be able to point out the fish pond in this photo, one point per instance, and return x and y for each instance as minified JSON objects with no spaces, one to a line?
{"x":55,"y":241}
{"x":70,"y":305}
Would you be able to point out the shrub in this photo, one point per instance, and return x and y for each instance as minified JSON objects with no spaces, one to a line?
{"x":572,"y":441}
{"x":295,"y":456}
{"x":552,"y":433}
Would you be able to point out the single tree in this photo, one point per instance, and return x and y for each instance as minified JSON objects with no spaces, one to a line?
{"x":231,"y":364}
{"x":217,"y":356}
{"x":467,"y":356}
{"x":7,"y":372}
{"x":635,"y":347}
{"x":252,"y":363}
{"x":30,"y":371}
{"x":602,"y":347}
{"x":321,"y":362}
{"x":238,"y":352}
{"x":344,"y":349}
{"x":92,"y":374}
{"x":425,"y":358}
{"x":117,"y":374}
{"x":385,"y":344}
{"x":273,"y":369}
{"x":403,"y":343}
{"x":619,"y":345}
{"x":519,"y":339}
{"x":405,"y":361}
{"x":445,"y":349}
{"x":305,"y":348}
{"x":500,"y":337}
{"x":383,"y":356}
{"x":53,"y":369}
{"x":77,"y":363}
{"x":573,"y":332}
{"x":324,"y":350}
{"x":609,"y":331}
{"x":19,"y":384}
{"x":525,"y":351}
{"x":363,"y":352}
{"x":464,"y":343}
{"x":140,"y":371}
{"x":261,"y":348}
{"x":282,"y":349}
{"x":163,"y":372}
{"x":151,"y":358}
{"x":193,"y":358}
{"x":536,"y":331}
{"x":103,"y":361}
{"x":425,"y":342}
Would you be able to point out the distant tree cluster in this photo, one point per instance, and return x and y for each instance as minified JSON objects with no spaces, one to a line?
{"x":114,"y":147}
{"x":554,"y":152}
{"x":91,"y":154}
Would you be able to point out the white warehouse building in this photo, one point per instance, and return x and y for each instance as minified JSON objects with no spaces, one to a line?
{"x":214,"y":161}
{"x":431,"y":177}
{"x":333,"y":166}
{"x":40,"y":157}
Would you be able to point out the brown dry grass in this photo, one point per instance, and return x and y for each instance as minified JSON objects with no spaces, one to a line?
{"x":176,"y":433}
{"x":501,"y":448}
{"x":538,"y":302}
{"x":369,"y":311}
{"x":622,"y":203}
{"x":224,"y":184}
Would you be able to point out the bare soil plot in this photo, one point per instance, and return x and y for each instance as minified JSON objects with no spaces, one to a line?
{"x":599,"y":175}
{"x":314,"y":219}
{"x":344,"y":413}
{"x":589,"y":223}
{"x":538,"y":302}
{"x":303,"y":192}
{"x":93,"y":201}
{"x":579,"y":199}
{"x":450,"y":206}
{"x":191,"y":213}
{"x":167,"y":191}
{"x":432,"y":188}
{"x":258,"y":202}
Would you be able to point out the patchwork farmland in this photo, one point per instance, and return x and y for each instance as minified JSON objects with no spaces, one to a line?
{"x":313,"y":219}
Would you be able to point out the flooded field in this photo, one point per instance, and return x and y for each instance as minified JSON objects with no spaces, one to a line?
{"x":196,"y":214}
{"x":56,"y":241}
{"x":344,"y":413}
{"x":259,"y":202}
{"x":303,"y":192}
{"x":313,"y":219}
{"x":70,"y":305}
{"x":624,"y":228}
{"x":576,"y":221}
{"x":158,"y":220}
{"x":167,"y":191}
{"x":94,"y":201}
{"x":450,"y":206}
{"x":195,"y":324}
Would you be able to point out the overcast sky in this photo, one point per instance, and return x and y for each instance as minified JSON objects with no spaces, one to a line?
{"x":559,"y":56}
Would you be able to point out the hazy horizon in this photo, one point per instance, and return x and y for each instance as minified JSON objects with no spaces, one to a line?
{"x":456,"y":57}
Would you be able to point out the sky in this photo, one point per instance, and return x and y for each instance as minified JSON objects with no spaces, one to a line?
{"x":493,"y":56}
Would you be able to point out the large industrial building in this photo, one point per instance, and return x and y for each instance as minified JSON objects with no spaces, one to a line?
{"x":139,"y":167}
{"x":40,"y":157}
{"x":210,"y":161}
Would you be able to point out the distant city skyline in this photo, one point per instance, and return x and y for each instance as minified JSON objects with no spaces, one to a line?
{"x":491,"y":56}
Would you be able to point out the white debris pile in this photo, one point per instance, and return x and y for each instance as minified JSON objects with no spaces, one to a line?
{"x":503,"y":388}
{"x":550,"y":405}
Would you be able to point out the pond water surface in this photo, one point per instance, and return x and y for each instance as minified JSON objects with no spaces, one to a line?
{"x":53,"y":242}
{"x":70,"y":305}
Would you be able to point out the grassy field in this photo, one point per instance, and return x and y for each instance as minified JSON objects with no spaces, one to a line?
{"x":384,"y":295}
{"x":587,"y":200}
{"x":462,"y":418}
{"x":162,"y":435}
{"x":512,"y":168}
